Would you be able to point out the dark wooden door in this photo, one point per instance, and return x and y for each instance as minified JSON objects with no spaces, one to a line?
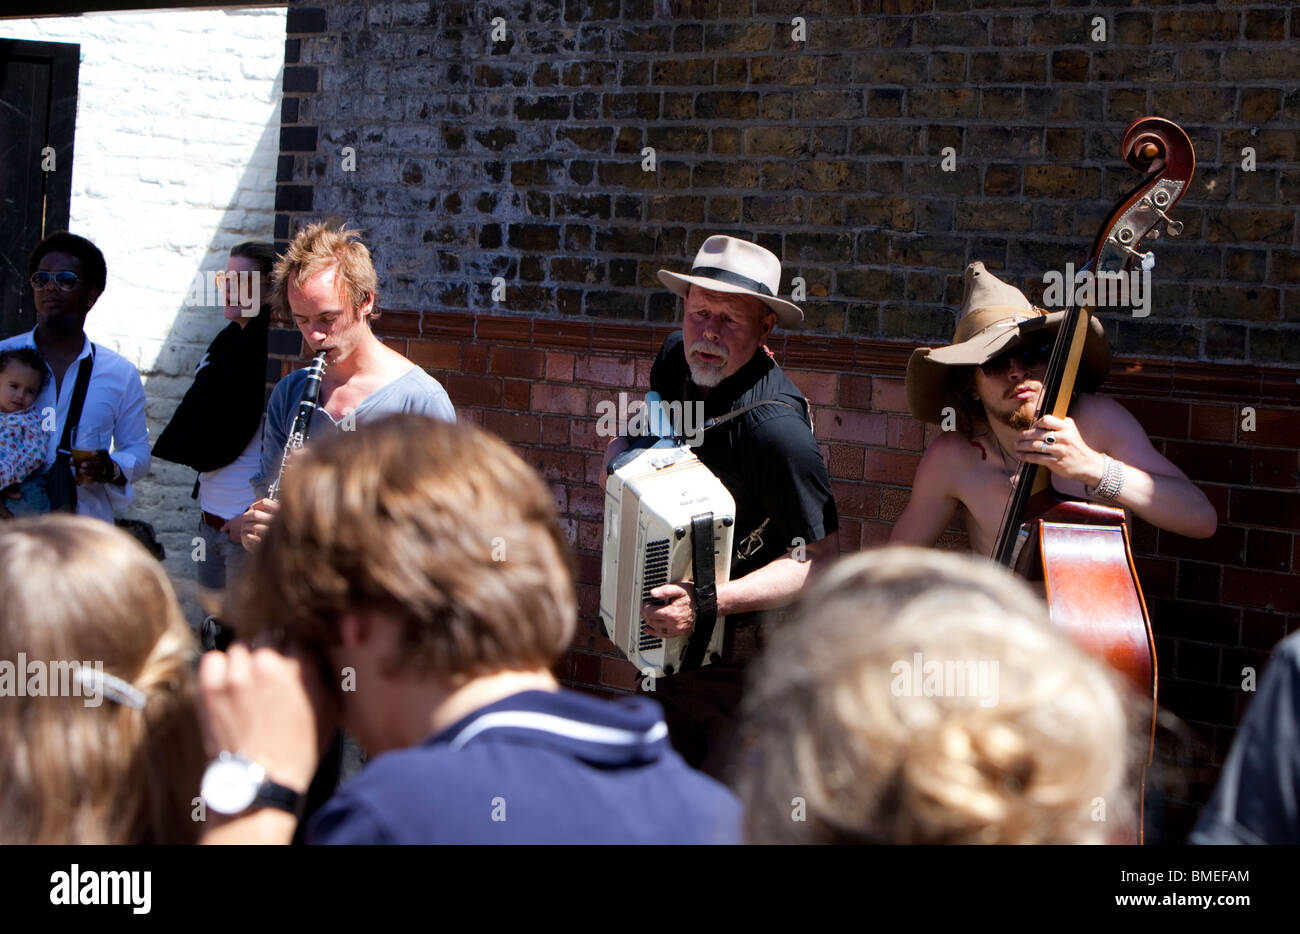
{"x":38,"y":109}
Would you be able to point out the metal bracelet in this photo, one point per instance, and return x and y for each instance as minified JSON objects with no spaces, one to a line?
{"x":1111,"y":483}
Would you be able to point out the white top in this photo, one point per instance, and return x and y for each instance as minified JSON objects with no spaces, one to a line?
{"x":228,"y":491}
{"x":114,"y":407}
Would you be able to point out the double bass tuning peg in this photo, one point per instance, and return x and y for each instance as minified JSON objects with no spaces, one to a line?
{"x":1123,"y":237}
{"x":1159,"y":200}
{"x":1146,"y":260}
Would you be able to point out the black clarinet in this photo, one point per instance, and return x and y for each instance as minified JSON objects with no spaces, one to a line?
{"x":302,"y":421}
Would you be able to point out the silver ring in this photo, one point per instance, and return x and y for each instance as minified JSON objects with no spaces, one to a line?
{"x":1044,"y":446}
{"x":1050,"y":439}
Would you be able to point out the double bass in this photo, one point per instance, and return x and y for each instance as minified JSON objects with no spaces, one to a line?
{"x":1080,"y":552}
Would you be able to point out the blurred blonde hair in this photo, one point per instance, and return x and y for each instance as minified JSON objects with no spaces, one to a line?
{"x":828,"y":722}
{"x":439,"y":527}
{"x":73,"y":588}
{"x":318,"y":248}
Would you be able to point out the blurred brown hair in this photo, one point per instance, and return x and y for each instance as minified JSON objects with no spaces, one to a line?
{"x":73,"y":588}
{"x":259,"y":251}
{"x":318,"y":248}
{"x":439,"y":527}
{"x":828,"y":721}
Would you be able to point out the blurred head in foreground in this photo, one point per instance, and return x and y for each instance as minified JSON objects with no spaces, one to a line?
{"x":920,"y":697}
{"x":101,"y":744}
{"x":436,"y":529}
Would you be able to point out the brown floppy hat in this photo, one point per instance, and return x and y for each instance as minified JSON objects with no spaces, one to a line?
{"x":993,"y":317}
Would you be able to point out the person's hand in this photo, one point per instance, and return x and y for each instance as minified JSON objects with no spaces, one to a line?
{"x":672,"y":610}
{"x":1055,"y":443}
{"x":99,"y":468}
{"x":234,"y":528}
{"x":268,"y":706}
{"x":255,"y":521}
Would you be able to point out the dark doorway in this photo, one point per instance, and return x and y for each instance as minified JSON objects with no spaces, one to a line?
{"x":38,"y":109}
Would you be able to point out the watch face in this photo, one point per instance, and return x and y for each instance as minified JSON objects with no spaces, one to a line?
{"x":229,"y":785}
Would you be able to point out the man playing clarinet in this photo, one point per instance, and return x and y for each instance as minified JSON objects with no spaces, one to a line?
{"x":327,"y":282}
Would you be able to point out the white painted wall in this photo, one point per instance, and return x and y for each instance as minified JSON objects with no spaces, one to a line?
{"x":178,"y":115}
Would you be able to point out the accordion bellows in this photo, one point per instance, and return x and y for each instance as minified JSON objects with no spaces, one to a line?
{"x":652,"y":497}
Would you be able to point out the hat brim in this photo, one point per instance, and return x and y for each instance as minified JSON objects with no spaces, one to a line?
{"x":928,"y":384}
{"x":788,"y":314}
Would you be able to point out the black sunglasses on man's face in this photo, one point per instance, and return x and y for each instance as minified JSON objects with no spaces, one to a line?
{"x":64,"y":281}
{"x":1029,"y":356}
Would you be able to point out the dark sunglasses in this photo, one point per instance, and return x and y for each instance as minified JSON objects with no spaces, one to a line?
{"x":64,"y":281}
{"x":1030,"y":357}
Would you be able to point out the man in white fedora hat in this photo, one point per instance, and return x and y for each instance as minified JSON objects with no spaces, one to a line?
{"x":764,"y":452}
{"x":983,"y":390}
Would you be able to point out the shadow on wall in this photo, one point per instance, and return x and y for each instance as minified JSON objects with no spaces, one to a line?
{"x":163,"y":498}
{"x":174,"y":162}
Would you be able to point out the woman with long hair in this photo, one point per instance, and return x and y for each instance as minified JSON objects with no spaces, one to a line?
{"x":101,"y":742}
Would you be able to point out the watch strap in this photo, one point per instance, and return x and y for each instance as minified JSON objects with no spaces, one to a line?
{"x":274,"y":795}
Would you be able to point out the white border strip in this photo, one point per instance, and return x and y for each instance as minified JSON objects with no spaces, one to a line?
{"x":560,"y":726}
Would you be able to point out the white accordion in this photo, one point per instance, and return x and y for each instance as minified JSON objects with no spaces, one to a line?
{"x":659,"y":501}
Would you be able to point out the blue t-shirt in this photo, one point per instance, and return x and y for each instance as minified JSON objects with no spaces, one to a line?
{"x":536,"y":767}
{"x":414,"y":392}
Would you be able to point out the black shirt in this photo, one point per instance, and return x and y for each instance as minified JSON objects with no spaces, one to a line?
{"x":1257,"y":799}
{"x":767,"y":458}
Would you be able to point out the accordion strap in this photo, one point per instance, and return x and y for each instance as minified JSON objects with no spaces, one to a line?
{"x":706,"y":591}
{"x":736,"y":413}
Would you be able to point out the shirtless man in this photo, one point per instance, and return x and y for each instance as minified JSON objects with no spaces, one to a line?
{"x":984,"y":389}
{"x":327,"y":282}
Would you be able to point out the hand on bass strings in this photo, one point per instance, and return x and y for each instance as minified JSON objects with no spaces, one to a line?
{"x":1055,"y":443}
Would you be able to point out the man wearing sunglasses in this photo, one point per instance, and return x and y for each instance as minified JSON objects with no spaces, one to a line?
{"x":983,"y":390}
{"x":68,"y":275}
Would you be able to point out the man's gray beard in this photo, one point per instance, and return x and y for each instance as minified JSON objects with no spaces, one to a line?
{"x":706,"y":377}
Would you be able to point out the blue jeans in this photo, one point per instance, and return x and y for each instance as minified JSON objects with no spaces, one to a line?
{"x":34,"y":502}
{"x":219,"y":564}
{"x":222,"y":558}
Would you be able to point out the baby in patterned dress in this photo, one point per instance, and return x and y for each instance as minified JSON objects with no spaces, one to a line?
{"x":22,"y":442}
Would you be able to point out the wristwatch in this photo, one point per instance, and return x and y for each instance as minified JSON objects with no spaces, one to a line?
{"x":233,"y":784}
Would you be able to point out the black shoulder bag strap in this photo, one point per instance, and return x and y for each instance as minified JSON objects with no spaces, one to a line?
{"x":706,"y":591}
{"x":62,"y":485}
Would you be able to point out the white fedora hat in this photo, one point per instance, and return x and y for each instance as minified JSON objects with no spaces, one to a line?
{"x":726,"y":264}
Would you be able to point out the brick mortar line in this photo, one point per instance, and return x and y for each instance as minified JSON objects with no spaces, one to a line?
{"x":901,"y":347}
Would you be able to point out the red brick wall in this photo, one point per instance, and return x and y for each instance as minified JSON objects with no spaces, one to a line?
{"x":1217,"y":605}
